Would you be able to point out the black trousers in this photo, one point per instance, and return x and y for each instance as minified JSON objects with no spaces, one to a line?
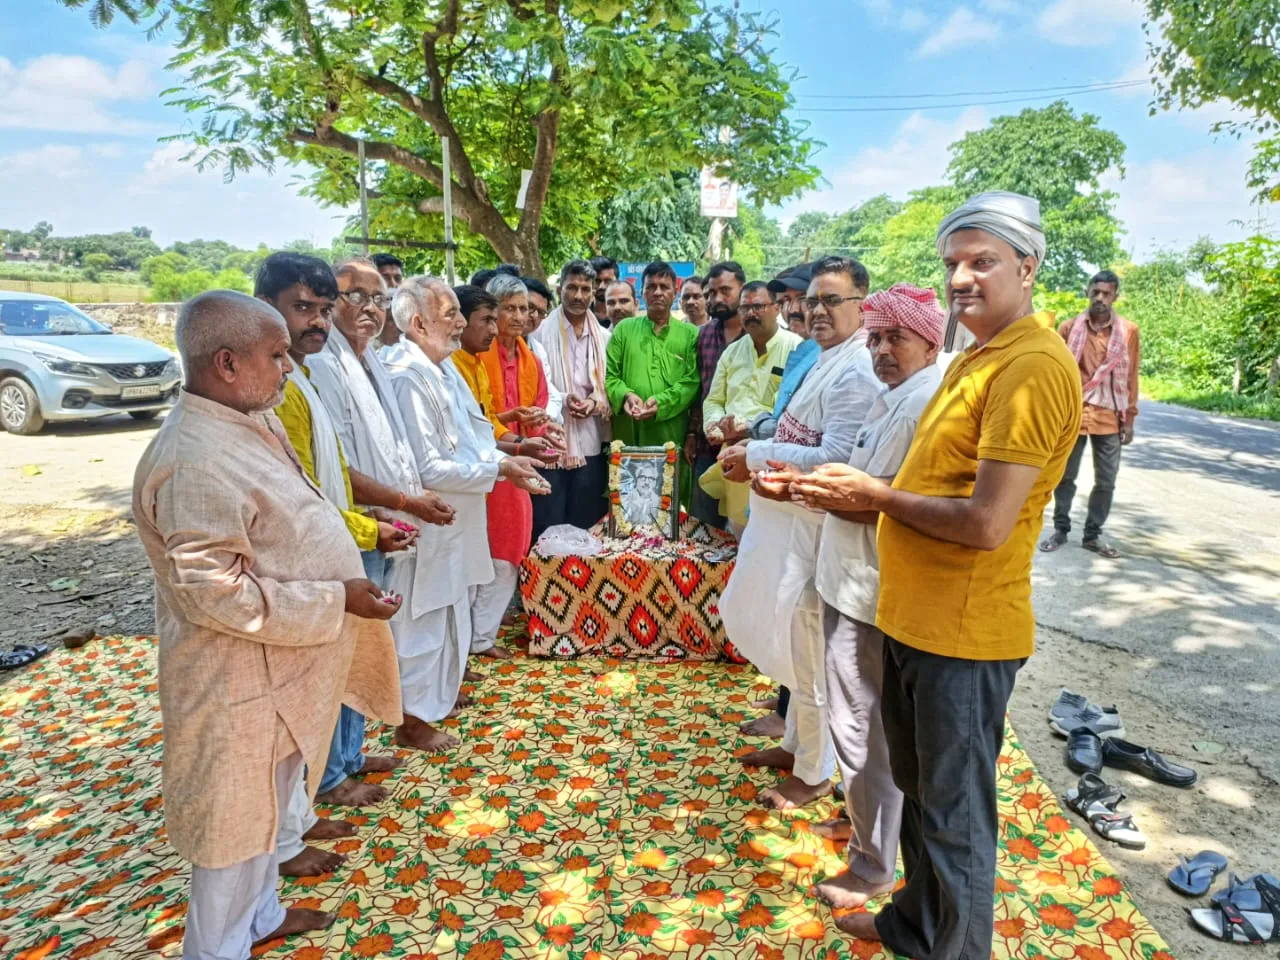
{"x":944,"y":721}
{"x":577,"y":496}
{"x":1106,"y":465}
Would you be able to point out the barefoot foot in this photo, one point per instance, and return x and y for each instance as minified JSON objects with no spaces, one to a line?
{"x":380,"y":764}
{"x":774,"y":757}
{"x":352,"y":793}
{"x":770,"y":725}
{"x":311,"y":862}
{"x":496,"y":652}
{"x":793,"y":793}
{"x":846,"y":891}
{"x":472,"y":676}
{"x":770,"y":703}
{"x":837,"y":830}
{"x":420,"y":735}
{"x":860,"y":926}
{"x":330,"y":828}
{"x":300,"y":921}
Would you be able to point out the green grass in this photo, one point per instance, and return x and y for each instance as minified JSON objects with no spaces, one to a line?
{"x":1222,"y":402}
{"x":107,"y":291}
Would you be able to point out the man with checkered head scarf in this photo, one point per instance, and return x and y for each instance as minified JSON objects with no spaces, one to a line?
{"x":904,"y":331}
{"x":957,"y":530}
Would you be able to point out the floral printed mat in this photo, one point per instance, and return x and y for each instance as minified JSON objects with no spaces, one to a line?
{"x":594,"y":810}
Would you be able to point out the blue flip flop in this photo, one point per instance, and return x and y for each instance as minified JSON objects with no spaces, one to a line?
{"x":1195,"y":876}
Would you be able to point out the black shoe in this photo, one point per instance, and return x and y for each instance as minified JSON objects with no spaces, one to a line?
{"x":1084,"y":751}
{"x":1124,"y":755}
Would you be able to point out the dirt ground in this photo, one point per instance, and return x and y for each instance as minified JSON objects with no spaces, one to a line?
{"x":70,"y":560}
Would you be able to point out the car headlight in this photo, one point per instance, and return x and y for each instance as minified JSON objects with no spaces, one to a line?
{"x":67,"y":367}
{"x":171,"y":371}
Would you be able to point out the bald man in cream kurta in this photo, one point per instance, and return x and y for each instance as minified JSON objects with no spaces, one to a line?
{"x":256,"y":651}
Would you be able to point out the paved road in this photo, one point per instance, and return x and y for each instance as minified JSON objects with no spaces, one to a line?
{"x":1196,"y":597}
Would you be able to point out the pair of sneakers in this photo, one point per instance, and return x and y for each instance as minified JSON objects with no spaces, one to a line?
{"x":1073,"y":711}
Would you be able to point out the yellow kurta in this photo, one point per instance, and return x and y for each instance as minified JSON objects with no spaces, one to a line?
{"x":256,"y":652}
{"x":295,"y":415}
{"x":476,"y":378}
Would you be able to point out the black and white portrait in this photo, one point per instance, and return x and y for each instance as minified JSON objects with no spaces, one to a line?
{"x":642,"y":492}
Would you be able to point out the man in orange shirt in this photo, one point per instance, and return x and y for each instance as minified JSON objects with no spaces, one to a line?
{"x":958,"y":528}
{"x":1105,"y":346}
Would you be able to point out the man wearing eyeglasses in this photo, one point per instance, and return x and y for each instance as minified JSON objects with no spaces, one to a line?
{"x":360,"y":399}
{"x":772,"y":593}
{"x":744,"y":385}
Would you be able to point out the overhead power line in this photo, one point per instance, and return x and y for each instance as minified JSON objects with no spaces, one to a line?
{"x":912,"y":108}
{"x":1092,"y":85}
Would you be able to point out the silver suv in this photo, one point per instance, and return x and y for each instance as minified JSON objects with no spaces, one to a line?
{"x":59,"y":364}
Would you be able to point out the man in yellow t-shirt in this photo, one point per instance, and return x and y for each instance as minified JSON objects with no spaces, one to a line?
{"x":957,"y":532}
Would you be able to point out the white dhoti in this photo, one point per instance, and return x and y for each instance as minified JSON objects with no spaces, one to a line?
{"x":807,"y":735}
{"x":432,"y":650}
{"x":773,"y":614}
{"x":234,"y":907}
{"x":489,"y":603}
{"x":298,"y":817}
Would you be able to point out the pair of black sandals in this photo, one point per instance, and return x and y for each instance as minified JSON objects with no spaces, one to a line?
{"x":1246,"y":911}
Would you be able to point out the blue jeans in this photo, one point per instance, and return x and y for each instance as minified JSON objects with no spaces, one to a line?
{"x":346,"y":755}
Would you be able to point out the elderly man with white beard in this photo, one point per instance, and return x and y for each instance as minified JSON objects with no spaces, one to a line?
{"x":356,"y":391}
{"x":455,"y":453}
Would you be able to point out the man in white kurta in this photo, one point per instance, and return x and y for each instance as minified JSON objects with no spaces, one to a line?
{"x":771,"y":593}
{"x":357,"y":391}
{"x":261,"y":642}
{"x":455,"y":454}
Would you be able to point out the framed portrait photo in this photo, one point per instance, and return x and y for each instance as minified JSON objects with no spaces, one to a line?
{"x":643,"y":485}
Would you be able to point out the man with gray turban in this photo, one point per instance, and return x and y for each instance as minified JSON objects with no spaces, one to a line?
{"x":958,"y":525}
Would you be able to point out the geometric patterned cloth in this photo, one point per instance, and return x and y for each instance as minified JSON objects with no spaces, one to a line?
{"x":644,"y":598}
{"x":593,"y":811}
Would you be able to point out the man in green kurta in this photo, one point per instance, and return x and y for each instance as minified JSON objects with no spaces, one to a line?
{"x":651,"y":375}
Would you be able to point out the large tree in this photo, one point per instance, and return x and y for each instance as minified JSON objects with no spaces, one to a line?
{"x":1059,"y":158}
{"x":593,"y":98}
{"x":1202,"y":52}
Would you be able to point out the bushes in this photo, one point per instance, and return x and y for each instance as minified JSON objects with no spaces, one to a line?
{"x":170,"y":287}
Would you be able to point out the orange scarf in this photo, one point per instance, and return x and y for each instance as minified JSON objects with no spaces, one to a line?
{"x":527,"y":376}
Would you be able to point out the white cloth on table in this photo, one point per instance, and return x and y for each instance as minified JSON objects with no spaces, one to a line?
{"x":231,"y":908}
{"x":489,"y":603}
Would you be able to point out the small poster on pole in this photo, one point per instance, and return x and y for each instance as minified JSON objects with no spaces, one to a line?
{"x":719,"y":195}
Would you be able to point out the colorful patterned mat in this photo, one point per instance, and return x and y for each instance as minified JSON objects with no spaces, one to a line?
{"x":594,"y":812}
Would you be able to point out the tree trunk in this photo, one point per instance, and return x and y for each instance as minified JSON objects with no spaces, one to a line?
{"x":1238,"y":378}
{"x":1273,"y":376}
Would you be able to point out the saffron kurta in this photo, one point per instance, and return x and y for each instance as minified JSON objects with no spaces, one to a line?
{"x":662,"y":365}
{"x":510,"y":509}
{"x":256,"y":652}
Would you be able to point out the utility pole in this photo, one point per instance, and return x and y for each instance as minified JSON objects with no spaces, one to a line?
{"x":448,"y":211}
{"x":715,"y":234}
{"x":364,"y":203}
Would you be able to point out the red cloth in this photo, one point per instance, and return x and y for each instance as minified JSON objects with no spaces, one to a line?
{"x":510,"y":522}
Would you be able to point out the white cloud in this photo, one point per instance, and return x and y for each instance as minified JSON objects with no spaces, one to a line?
{"x":71,"y":94}
{"x":50,"y":162}
{"x":1080,"y":23}
{"x":915,"y":157}
{"x":914,"y":20}
{"x":962,"y":28}
{"x":1168,"y":203}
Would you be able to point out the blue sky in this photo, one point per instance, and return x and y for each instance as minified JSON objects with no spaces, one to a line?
{"x":81,"y":118}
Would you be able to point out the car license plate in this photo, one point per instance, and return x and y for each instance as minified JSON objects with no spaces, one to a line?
{"x":139,"y":393}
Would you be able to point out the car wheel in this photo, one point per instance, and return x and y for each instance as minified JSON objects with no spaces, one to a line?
{"x":19,"y":407}
{"x":144,"y":414}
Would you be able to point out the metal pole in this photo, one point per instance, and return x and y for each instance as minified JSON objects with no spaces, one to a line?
{"x":364,"y":203}
{"x":448,"y":212}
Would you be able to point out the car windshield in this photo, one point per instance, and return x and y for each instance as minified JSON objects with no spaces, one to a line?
{"x":45,"y":318}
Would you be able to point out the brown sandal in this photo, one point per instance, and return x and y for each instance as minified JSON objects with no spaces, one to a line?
{"x":1054,"y":543}
{"x":1104,"y":550}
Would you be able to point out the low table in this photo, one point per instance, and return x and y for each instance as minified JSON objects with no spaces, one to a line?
{"x":643,"y":598}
